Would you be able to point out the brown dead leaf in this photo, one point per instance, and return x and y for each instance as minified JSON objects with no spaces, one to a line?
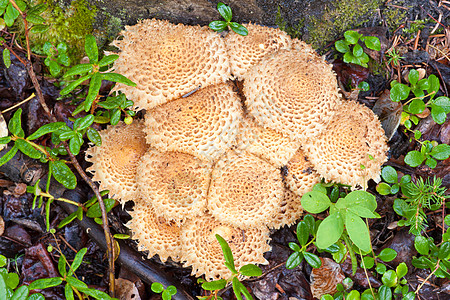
{"x":325,"y":278}
{"x":126,"y":290}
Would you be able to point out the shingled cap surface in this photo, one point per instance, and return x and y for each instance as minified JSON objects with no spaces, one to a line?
{"x":293,"y":92}
{"x":352,"y":147}
{"x":205,"y":124}
{"x":301,"y":176}
{"x":115,"y":161}
{"x":167,"y":61}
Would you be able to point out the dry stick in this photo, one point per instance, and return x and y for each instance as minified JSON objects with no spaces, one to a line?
{"x":74,"y":161}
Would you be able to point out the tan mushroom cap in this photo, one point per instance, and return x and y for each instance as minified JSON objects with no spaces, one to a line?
{"x":351,"y":149}
{"x":301,"y":176}
{"x":202,"y":251}
{"x":246,"y":51}
{"x":175,"y":183}
{"x":266,"y":143}
{"x":154,"y":233}
{"x":204,"y":124}
{"x":293,"y":92}
{"x":116,"y":160}
{"x":167,"y":61}
{"x":245,"y":191}
{"x":289,"y":212}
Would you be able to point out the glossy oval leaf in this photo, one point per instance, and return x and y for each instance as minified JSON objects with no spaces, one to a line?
{"x":421,"y":245}
{"x":90,"y":46}
{"x":387,"y":254}
{"x":250,"y":270}
{"x":214,"y":285}
{"x":21,"y":293}
{"x":118,"y":78}
{"x":399,"y":92}
{"x":225,"y":11}
{"x":330,"y":230}
{"x":302,"y":233}
{"x":312,"y":259}
{"x":414,"y":158}
{"x":357,"y":231}
{"x":108,"y":59}
{"x":44,"y":283}
{"x":218,"y":25}
{"x":315,"y":202}
{"x":47,"y":128}
{"x":441,"y":152}
{"x":63,"y":174}
{"x":294,"y":260}
{"x":94,"y":89}
{"x":239,"y":29}
{"x":27,"y":149}
{"x":372,"y":42}
{"x":9,"y":155}
{"x":361,"y":199}
{"x":79,"y":70}
{"x":94,"y":136}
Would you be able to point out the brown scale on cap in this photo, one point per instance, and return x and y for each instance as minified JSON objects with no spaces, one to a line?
{"x":245,"y":191}
{"x":351,"y":149}
{"x":167,"y":61}
{"x":204,"y":124}
{"x":301,"y":176}
{"x":154,"y":233}
{"x":246,"y":51}
{"x":293,"y":92}
{"x":290,"y":210}
{"x":175,"y":183}
{"x":202,"y":251}
{"x":115,"y":162}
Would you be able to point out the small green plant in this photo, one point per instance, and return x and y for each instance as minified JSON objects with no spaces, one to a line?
{"x":305,"y":228}
{"x":166,"y":294}
{"x":238,"y":288}
{"x":56,"y":56}
{"x":353,"y":51}
{"x":433,"y":257}
{"x":424,"y":91}
{"x":226,"y":13}
{"x":393,"y":57}
{"x":429,"y":153}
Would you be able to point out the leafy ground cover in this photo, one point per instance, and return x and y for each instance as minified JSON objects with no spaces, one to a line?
{"x":405,"y":78}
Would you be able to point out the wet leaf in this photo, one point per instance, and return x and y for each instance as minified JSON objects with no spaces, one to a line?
{"x":27,"y":149}
{"x":294,"y":260}
{"x":218,"y":25}
{"x":63,"y":174}
{"x":109,"y":59}
{"x":239,"y":29}
{"x":330,"y":230}
{"x":77,"y":260}
{"x":79,"y":69}
{"x":414,"y":158}
{"x":441,"y":152}
{"x":387,"y":254}
{"x":47,"y":128}
{"x":315,"y":202}
{"x":44,"y":283}
{"x":399,"y":92}
{"x":389,"y":278}
{"x":91,"y":48}
{"x":421,"y":245}
{"x":250,"y":270}
{"x":94,"y":89}
{"x":6,"y":57}
{"x":94,"y":136}
{"x":9,"y":155}
{"x":312,"y":259}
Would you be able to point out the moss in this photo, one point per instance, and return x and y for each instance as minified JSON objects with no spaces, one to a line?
{"x":393,"y":17}
{"x":68,"y":24}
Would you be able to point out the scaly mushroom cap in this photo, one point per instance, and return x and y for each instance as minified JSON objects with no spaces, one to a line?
{"x":202,"y":251}
{"x":293,"y":92}
{"x":154,"y":233}
{"x":175,"y":183}
{"x":246,"y":51}
{"x":351,"y":149}
{"x":245,"y":191}
{"x":290,"y":211}
{"x":266,"y":143}
{"x":167,"y":61}
{"x":115,"y":162}
{"x":301,"y":176}
{"x":204,"y":124}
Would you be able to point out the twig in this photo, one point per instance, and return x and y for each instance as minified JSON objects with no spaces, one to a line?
{"x":428,"y":277}
{"x":18,"y":104}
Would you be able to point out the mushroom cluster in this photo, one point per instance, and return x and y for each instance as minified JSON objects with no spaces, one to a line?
{"x":217,"y":156}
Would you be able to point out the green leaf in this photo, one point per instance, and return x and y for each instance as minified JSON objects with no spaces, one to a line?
{"x":383,"y":188}
{"x":363,"y":212}
{"x":384,"y":293}
{"x":361,"y":198}
{"x":79,"y":69}
{"x":15,"y":124}
{"x":38,"y":9}
{"x":380,"y":268}
{"x":433,"y":81}
{"x":12,"y":280}
{"x":224,"y":11}
{"x":68,"y":292}
{"x":421,"y":245}
{"x":55,"y":69}
{"x":5,"y":140}
{"x":67,"y":135}
{"x":94,"y":136}
{"x":35,"y":19}
{"x":9,"y":155}
{"x":28,"y":149}
{"x":441,"y":152}
{"x":107,"y":60}
{"x":389,"y":278}
{"x":413,"y":77}
{"x":115,"y":117}
{"x":227,"y":253}
{"x":96,"y":294}
{"x":387,"y":254}
{"x":91,"y":49}
{"x":342,"y":46}
{"x":294,"y":246}
{"x":218,"y":25}
{"x":3,"y":261}
{"x":62,"y":265}
{"x":399,"y":92}
{"x":47,"y":128}
{"x":77,"y":260}
{"x":357,"y":231}
{"x":71,"y":86}
{"x":157,"y":287}
{"x":37,"y":296}
{"x":121,"y":236}
{"x":302,"y":233}
{"x":75,"y":144}
{"x":44,"y":283}
{"x":118,"y":78}
{"x":416,"y":106}
{"x":214,"y":285}
{"x":85,"y":122}
{"x":94,"y":89}
{"x":315,"y":202}
{"x":171,"y":290}
{"x":95,"y":212}
{"x":39,"y":28}
{"x":352,"y":36}
{"x":330,"y":230}
{"x":368,"y":262}
{"x":63,"y":174}
{"x":443,"y":102}
{"x":11,"y":15}
{"x":21,"y":293}
{"x":239,"y":29}
{"x":431,"y":162}
{"x":372,"y":42}
{"x":312,"y":259}
{"x":7,"y":57}
{"x":363,"y":86}
{"x":438,"y":114}
{"x":444,"y":251}
{"x":294,"y":260}
{"x":358,"y":50}
{"x":311,"y":223}
{"x":414,"y":158}
{"x":401,"y":270}
{"x":250,"y":270}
